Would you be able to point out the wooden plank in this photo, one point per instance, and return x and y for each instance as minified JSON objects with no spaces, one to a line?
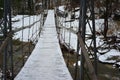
{"x":92,"y":75}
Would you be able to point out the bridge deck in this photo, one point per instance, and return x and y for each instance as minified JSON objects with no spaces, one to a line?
{"x":46,"y":61}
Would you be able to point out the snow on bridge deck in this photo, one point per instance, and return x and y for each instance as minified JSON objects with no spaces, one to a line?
{"x":46,"y":61}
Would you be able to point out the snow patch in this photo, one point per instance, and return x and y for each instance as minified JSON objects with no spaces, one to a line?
{"x":105,"y":57}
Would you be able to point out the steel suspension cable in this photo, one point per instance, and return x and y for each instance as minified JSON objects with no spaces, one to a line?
{"x":29,"y":36}
{"x":5,"y":35}
{"x":22,"y":40}
{"x":69,"y":41}
{"x":77,"y":58}
{"x":64,"y":31}
{"x":30,"y":13}
{"x":94,"y":36}
{"x":23,"y":17}
{"x":83,"y":27}
{"x":33,"y":27}
{"x":40,"y":26}
{"x":78,"y":46}
{"x":36,"y":29}
{"x":11,"y":43}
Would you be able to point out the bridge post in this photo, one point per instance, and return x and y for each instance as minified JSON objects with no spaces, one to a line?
{"x":7,"y":32}
{"x":84,"y":19}
{"x":5,"y":35}
{"x":10,"y":43}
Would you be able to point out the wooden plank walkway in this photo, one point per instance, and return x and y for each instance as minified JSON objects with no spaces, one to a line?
{"x":46,"y":61}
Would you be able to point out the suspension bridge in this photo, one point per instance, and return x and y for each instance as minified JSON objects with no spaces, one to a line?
{"x":46,"y":61}
{"x":39,"y":56}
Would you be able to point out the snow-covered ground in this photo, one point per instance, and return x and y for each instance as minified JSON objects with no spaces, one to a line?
{"x":65,"y":35}
{"x":20,"y":21}
{"x":106,"y":57}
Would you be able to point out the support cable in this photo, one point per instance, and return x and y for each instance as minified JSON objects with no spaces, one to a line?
{"x":29,"y":47}
{"x":106,"y":20}
{"x":5,"y":35}
{"x":33,"y":27}
{"x":68,"y":56}
{"x":78,"y":47}
{"x":64,"y":31}
{"x":77,"y":58}
{"x":36,"y":30}
{"x":83,"y":27}
{"x":94,"y":36}
{"x":30,"y":13}
{"x":40,"y":28}
{"x":23,"y":33}
{"x":11,"y":44}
